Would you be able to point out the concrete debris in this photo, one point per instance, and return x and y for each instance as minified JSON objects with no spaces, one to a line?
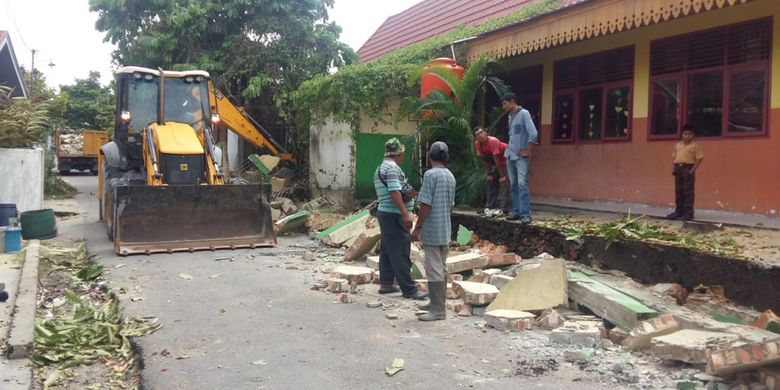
{"x":353,"y":275}
{"x":452,"y":292}
{"x":689,"y":345}
{"x":344,"y":298}
{"x":550,"y":319}
{"x":673,"y":290}
{"x":731,"y":359}
{"x":640,"y":336}
{"x":320,"y":221}
{"x":579,"y":333}
{"x":372,"y":262}
{"x":336,"y":285}
{"x":278,"y":184}
{"x":509,"y":320}
{"x":391,"y":316}
{"x":768,"y":320}
{"x":702,"y":294}
{"x":454,"y":278}
{"x":607,"y":302}
{"x":580,"y":356}
{"x":501,"y":280}
{"x":535,"y":287}
{"x":617,"y":335}
{"x":364,"y":243}
{"x":483,"y":276}
{"x":291,"y":223}
{"x":478,"y":294}
{"x":346,"y":229}
{"x":502,"y":259}
{"x":465,"y":262}
{"x":317,"y":204}
{"x":770,"y":377}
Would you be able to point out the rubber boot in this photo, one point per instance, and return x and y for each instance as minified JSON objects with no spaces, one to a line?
{"x":438,"y":293}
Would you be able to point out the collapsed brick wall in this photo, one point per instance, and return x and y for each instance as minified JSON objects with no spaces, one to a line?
{"x":745,"y":282}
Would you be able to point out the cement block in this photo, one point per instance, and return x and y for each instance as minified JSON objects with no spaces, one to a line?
{"x":20,"y":339}
{"x":580,"y":333}
{"x":689,"y":345}
{"x":465,"y":262}
{"x":511,"y":320}
{"x":746,"y":357}
{"x":500,"y":280}
{"x":354,"y":275}
{"x":534,"y":287}
{"x":640,"y":336}
{"x":478,"y":294}
{"x":343,"y":231}
{"x":363,"y":244}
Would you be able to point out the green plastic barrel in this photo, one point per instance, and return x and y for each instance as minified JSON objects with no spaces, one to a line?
{"x":38,"y":224}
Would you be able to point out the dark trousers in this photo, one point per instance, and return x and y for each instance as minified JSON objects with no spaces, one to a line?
{"x":497,"y":193}
{"x":684,"y":182}
{"x":395,"y":262}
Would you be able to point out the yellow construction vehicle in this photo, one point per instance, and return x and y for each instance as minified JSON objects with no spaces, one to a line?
{"x":161,"y":187}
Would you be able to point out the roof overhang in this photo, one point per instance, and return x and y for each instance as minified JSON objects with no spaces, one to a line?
{"x":585,"y":19}
{"x":165,"y":73}
{"x":10,"y":74}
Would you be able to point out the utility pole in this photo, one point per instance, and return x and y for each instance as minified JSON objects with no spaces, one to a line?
{"x":32,"y":74}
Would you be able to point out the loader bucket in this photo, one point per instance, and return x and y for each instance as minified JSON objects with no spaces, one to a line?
{"x":152,"y":219}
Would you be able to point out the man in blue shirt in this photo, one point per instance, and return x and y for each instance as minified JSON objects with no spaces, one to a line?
{"x":434,"y":228}
{"x":522,"y":137}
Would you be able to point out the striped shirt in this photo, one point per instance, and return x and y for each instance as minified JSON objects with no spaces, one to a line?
{"x":394,"y":179}
{"x":438,"y":191}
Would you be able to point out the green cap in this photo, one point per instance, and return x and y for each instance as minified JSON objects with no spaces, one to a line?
{"x":393,"y":147}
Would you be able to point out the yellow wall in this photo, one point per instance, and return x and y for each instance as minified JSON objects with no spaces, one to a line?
{"x":641,"y":39}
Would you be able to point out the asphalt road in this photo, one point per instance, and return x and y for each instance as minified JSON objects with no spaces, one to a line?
{"x":260,"y":309}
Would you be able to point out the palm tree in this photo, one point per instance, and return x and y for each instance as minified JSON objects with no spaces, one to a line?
{"x":450,"y":118}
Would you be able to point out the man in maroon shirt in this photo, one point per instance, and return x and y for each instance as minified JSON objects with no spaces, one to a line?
{"x":491,"y":150}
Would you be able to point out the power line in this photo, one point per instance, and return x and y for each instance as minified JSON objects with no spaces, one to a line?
{"x":13,"y":20}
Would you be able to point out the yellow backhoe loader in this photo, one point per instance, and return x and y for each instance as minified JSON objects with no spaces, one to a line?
{"x":161,"y":187}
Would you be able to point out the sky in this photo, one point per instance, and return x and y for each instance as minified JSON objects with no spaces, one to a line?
{"x":68,"y":46}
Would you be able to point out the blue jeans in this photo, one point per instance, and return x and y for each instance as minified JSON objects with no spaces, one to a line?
{"x":517,"y":170}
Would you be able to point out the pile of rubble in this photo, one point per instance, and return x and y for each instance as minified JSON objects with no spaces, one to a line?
{"x":71,"y":144}
{"x":582,"y":310}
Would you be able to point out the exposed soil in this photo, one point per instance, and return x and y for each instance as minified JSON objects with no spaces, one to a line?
{"x":745,"y":282}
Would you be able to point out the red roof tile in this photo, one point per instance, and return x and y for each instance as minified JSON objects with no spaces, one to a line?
{"x":429,"y":18}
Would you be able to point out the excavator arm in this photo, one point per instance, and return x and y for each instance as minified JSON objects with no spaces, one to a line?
{"x":241,"y":123}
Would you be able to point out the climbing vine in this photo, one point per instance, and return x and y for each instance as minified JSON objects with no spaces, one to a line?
{"x":368,"y":88}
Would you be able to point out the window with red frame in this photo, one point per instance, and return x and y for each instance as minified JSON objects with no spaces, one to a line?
{"x":716,"y":80}
{"x":592,"y":100}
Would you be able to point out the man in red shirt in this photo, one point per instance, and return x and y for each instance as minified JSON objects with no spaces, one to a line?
{"x":491,"y":150}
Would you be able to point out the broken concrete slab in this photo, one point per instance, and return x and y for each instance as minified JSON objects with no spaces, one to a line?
{"x":454,"y":278}
{"x":688,"y":345}
{"x":607,"y":302}
{"x":509,"y":320}
{"x":270,"y":162}
{"x":483,"y":276}
{"x":476,"y":294}
{"x":500,"y":280}
{"x":535,"y":287}
{"x":580,"y":333}
{"x":354,"y":275}
{"x":465,"y":262}
{"x":746,"y":357}
{"x":550,"y":319}
{"x":344,"y":230}
{"x":364,"y":243}
{"x":640,"y":336}
{"x":277,"y":184}
{"x":291,"y":223}
{"x":617,"y":336}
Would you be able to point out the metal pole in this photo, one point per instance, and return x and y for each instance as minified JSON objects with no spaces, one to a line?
{"x":32,"y":73}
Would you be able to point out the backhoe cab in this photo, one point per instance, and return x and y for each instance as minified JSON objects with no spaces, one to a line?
{"x":161,"y":185}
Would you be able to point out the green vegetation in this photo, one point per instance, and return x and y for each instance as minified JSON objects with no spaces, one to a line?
{"x":637,"y":228}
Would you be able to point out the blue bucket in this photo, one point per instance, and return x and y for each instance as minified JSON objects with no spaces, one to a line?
{"x":13,"y":239}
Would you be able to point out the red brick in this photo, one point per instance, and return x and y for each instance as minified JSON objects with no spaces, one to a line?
{"x":617,"y":336}
{"x":645,"y":331}
{"x":743,"y":358}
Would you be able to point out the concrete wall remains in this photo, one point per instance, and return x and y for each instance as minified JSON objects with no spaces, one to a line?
{"x":21,"y":178}
{"x":331,"y":160}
